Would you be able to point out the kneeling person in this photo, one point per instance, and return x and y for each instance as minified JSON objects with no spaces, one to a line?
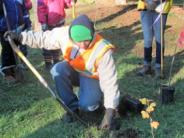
{"x":88,"y":63}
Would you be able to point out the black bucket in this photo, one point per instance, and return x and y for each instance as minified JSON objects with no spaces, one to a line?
{"x":166,"y":94}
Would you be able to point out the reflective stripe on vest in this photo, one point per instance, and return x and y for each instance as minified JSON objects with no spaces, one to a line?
{"x":99,"y":49}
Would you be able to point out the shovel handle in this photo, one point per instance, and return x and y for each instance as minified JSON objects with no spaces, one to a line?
{"x":73,"y":11}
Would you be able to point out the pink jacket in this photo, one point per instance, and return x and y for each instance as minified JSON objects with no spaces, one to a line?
{"x":51,"y":12}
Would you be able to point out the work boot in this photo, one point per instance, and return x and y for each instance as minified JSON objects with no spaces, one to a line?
{"x":68,"y":118}
{"x":145,"y":70}
{"x":10,"y":79}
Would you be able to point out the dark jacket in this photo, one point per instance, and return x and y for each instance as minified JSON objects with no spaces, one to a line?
{"x":14,"y":14}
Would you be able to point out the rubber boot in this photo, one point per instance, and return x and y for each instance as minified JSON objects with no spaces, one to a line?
{"x":145,"y":70}
{"x":147,"y":59}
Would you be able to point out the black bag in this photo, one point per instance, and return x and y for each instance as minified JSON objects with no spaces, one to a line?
{"x":128,"y":103}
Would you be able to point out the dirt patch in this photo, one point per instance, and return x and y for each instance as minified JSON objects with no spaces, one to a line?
{"x":106,"y":11}
{"x":121,"y":24}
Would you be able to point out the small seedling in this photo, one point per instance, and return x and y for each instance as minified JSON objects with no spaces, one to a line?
{"x":147,"y":113}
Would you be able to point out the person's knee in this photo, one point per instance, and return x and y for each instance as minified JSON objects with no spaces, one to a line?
{"x":85,"y":106}
{"x":55,"y":71}
{"x":59,"y":68}
{"x":148,"y":43}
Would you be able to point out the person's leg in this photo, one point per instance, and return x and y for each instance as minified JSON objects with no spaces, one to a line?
{"x":47,"y":58}
{"x":90,"y":94}
{"x":147,"y":21}
{"x":7,"y":57}
{"x":56,"y":55}
{"x":65,"y":78}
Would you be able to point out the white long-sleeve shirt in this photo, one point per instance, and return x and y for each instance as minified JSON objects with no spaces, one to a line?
{"x":58,"y":38}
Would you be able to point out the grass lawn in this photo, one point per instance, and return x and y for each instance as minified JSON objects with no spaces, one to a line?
{"x":27,"y":109}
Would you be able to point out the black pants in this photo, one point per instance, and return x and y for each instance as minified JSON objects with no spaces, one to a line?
{"x":52,"y":56}
{"x":7,"y":55}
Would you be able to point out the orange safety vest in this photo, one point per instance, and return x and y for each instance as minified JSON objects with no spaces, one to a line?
{"x":87,"y":62}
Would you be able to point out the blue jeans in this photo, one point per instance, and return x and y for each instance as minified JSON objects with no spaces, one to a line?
{"x":152,"y":30}
{"x":65,"y":77}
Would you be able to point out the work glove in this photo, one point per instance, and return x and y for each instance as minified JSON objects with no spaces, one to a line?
{"x":108,"y":121}
{"x":151,"y":5}
{"x":14,"y":36}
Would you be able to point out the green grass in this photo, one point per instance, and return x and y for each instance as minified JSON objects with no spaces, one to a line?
{"x":27,"y":110}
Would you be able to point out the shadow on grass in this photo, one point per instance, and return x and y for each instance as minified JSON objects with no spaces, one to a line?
{"x":124,"y":38}
{"x":23,"y":95}
{"x":119,"y":13}
{"x":59,"y":129}
{"x":20,"y":96}
{"x":138,"y":83}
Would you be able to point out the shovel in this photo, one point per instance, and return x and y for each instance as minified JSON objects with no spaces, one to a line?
{"x":166,"y":91}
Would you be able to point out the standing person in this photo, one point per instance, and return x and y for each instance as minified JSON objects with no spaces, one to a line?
{"x":151,"y":25}
{"x":16,"y":23}
{"x":51,"y":14}
{"x":26,"y":5}
{"x":88,"y":63}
